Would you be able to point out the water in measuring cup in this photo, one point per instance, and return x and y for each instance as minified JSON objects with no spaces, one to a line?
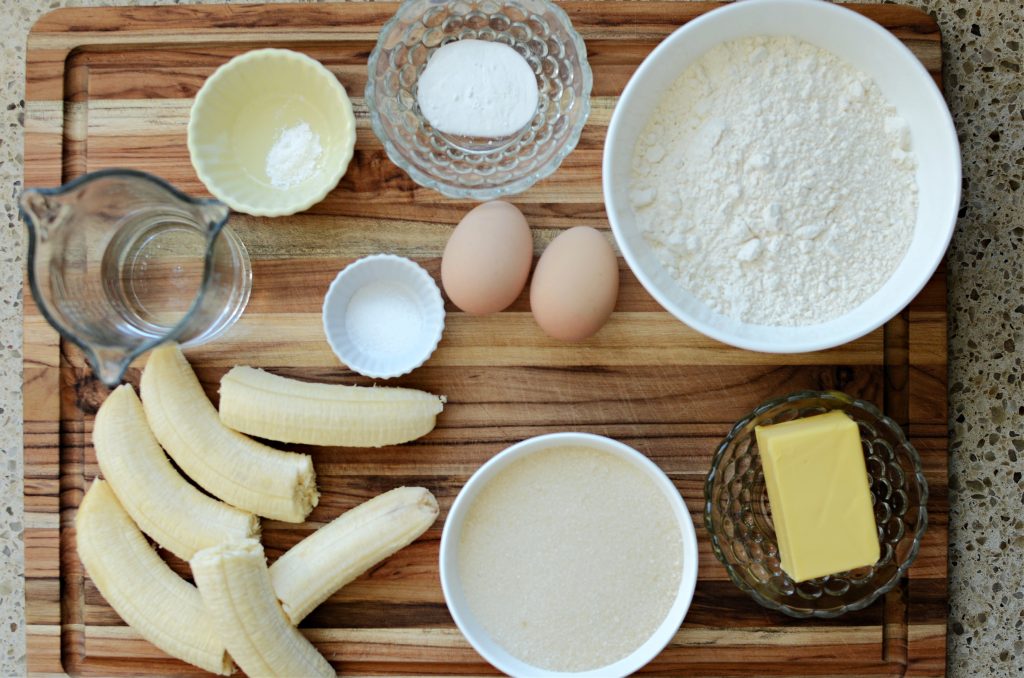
{"x":152,"y":270}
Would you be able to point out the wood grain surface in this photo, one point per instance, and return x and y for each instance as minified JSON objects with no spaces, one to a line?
{"x":112,"y":87}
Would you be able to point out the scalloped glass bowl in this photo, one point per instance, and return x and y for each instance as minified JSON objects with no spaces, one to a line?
{"x":737,"y":514}
{"x":466,"y":167}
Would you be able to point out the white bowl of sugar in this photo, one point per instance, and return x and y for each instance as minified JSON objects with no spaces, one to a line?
{"x":782,"y":175}
{"x":568,"y":554}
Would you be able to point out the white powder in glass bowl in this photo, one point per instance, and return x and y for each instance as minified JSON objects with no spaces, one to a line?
{"x":776,"y":183}
{"x":477,"y":88}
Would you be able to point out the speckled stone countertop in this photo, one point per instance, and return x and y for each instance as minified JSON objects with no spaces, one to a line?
{"x":984,"y":57}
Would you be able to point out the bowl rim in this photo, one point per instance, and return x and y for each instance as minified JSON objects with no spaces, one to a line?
{"x":839,"y":398}
{"x":395,"y":268}
{"x":448,"y":562}
{"x":613,"y":208}
{"x":199,"y":162}
{"x":452,"y":190}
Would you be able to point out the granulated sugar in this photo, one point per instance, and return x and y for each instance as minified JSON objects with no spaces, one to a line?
{"x":570,"y":558}
{"x":776,"y":183}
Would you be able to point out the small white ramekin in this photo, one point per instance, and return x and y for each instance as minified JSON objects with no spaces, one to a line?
{"x":400,"y":281}
{"x":459,"y":608}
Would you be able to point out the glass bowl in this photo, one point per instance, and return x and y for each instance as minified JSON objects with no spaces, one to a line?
{"x":737,"y":514}
{"x":468,"y":167}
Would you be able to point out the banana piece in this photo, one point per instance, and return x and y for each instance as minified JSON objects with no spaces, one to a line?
{"x":164,"y":608}
{"x":236,"y":469}
{"x":309,"y":572}
{"x":235,"y":587}
{"x":270,"y":406}
{"x":164,"y":505}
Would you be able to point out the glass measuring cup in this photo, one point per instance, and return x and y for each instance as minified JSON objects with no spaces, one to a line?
{"x":120,"y":261}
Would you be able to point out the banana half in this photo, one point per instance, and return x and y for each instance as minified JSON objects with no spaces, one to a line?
{"x":161,"y":606}
{"x":165,"y":506}
{"x":235,"y":586}
{"x":228,"y":465}
{"x":270,"y":406}
{"x":309,"y":572}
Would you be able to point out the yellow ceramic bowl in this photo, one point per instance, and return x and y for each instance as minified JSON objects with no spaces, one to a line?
{"x":271,"y":132}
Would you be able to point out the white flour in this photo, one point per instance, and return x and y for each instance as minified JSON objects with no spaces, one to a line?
{"x":293,"y":157}
{"x":477,"y":88}
{"x":776,"y":183}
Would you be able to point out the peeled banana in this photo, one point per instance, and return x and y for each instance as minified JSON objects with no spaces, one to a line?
{"x":165,"y":506}
{"x":343,"y":549}
{"x":164,"y":608}
{"x":236,"y":591}
{"x":270,"y":406}
{"x":238,"y":470}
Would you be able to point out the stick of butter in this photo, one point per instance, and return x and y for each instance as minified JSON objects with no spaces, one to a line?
{"x":818,"y":489}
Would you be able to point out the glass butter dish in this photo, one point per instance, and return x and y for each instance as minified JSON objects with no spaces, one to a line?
{"x":738,"y":516}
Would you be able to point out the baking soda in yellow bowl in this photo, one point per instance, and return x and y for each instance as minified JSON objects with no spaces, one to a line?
{"x":271,"y":132}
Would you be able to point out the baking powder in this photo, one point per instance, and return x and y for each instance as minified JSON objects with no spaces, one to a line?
{"x":477,"y":88}
{"x":776,"y":183}
{"x":293,"y":157}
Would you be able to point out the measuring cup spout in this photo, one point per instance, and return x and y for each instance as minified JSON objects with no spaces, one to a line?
{"x":215,"y":214}
{"x":110,"y":363}
{"x":41,"y":211}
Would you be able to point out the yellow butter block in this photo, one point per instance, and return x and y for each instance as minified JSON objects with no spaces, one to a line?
{"x":818,"y":488}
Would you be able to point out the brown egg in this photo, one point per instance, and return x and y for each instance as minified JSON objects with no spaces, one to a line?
{"x":575,"y":285}
{"x":487,"y":258}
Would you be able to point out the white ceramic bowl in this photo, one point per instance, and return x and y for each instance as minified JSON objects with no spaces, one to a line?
{"x":396,"y":321}
{"x":245,"y":108}
{"x":453,"y":594}
{"x":904,"y":82}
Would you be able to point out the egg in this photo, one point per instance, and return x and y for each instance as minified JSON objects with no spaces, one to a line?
{"x":575,"y":286}
{"x":487,"y":259}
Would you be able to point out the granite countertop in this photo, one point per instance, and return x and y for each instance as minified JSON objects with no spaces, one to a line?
{"x":984,"y":56}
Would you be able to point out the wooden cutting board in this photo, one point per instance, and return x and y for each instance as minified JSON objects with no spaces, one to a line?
{"x":112,"y":87}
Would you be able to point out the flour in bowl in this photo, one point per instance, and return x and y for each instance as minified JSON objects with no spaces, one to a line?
{"x":776,"y":183}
